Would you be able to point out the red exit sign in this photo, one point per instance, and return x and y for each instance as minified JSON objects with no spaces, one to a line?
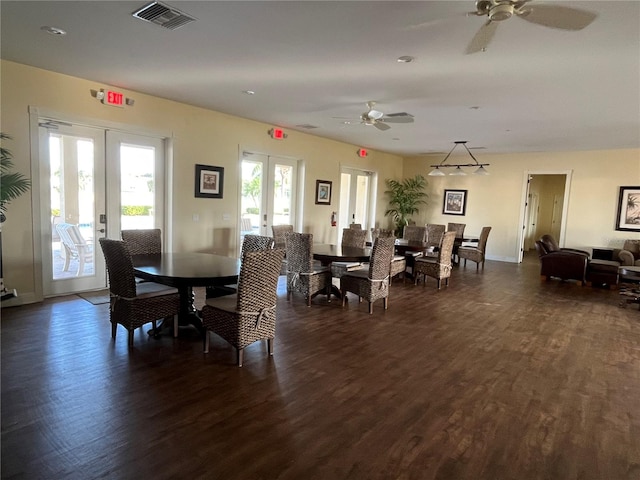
{"x":115,"y":99}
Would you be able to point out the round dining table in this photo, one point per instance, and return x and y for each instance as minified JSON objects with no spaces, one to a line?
{"x":185,"y":271}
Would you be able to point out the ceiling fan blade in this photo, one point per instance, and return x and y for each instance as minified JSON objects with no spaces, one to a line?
{"x":406,"y":118}
{"x":557,"y":16}
{"x":482,"y":39}
{"x":381,"y":126}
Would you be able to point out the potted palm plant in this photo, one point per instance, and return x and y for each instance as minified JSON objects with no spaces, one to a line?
{"x":12,"y":185}
{"x":404,"y":198}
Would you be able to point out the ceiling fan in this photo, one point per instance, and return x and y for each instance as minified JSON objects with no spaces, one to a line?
{"x":379,"y":120}
{"x":554,"y":16}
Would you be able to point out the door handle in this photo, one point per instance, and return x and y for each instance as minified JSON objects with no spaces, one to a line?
{"x":101,"y":230}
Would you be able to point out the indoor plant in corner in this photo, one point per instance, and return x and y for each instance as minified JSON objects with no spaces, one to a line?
{"x":404,"y":199}
{"x":12,"y":185}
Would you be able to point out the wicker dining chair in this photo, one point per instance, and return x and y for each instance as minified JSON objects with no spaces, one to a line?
{"x":144,"y":241}
{"x":475,"y":253}
{"x":438,"y":267}
{"x":459,"y":229}
{"x":398,"y":262}
{"x":255,"y":243}
{"x":373,"y":283}
{"x":250,"y":315}
{"x":133,"y":304}
{"x":279,"y":233}
{"x":434,"y":234}
{"x":414,"y":233}
{"x":351,"y":237}
{"x":250,"y":243}
{"x":303,"y":274}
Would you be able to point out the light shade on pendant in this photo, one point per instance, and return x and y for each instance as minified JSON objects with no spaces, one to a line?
{"x":481,"y":171}
{"x":436,"y":172}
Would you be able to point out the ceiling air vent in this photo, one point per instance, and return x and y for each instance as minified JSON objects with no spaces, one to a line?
{"x":163,"y":15}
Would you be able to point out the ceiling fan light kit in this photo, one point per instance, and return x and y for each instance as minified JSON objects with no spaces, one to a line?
{"x":378,"y":119}
{"x":480,"y":170}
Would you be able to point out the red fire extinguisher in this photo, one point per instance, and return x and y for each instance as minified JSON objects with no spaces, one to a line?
{"x":333,"y":219}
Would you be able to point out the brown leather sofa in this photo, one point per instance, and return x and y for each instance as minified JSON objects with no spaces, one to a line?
{"x":563,"y":263}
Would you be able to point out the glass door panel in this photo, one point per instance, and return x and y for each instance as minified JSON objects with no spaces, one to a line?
{"x":74,"y":200}
{"x":135,"y":178}
{"x":354,"y":198}
{"x":267,"y":193}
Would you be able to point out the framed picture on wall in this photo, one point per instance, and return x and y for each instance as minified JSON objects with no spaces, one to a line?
{"x":629,"y":209}
{"x":209,"y":181}
{"x":455,"y":202}
{"x":323,"y":192}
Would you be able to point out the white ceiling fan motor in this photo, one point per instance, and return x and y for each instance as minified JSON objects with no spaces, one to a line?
{"x":501,"y":12}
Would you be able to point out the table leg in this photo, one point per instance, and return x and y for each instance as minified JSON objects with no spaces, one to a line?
{"x":188,"y":315}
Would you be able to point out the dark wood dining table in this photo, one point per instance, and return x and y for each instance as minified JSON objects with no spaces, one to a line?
{"x":185,"y":271}
{"x":326,"y":254}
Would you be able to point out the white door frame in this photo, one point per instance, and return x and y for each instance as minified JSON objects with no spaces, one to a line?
{"x":268,"y":161}
{"x":34,"y":134}
{"x":524,"y":206}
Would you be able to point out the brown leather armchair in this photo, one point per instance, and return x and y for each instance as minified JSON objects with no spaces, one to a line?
{"x":563,"y":263}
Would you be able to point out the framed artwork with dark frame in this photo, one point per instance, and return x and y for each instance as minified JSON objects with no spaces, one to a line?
{"x":323,"y":192}
{"x":629,"y":209}
{"x":209,"y":181}
{"x":455,"y":202}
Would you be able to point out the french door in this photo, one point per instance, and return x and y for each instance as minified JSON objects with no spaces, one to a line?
{"x":94,"y":182}
{"x":268,"y":193}
{"x":355,"y":198}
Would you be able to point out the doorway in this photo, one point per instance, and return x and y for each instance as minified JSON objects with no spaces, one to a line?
{"x":93,"y":183}
{"x":544,"y":208}
{"x":355,"y":198}
{"x":268,"y":193}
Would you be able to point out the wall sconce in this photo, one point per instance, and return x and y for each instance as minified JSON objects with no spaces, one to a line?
{"x":436,"y":172}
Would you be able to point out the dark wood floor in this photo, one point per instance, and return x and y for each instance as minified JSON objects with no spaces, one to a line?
{"x":498,"y":376}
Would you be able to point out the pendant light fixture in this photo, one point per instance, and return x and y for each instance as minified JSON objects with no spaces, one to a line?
{"x":458,"y":167}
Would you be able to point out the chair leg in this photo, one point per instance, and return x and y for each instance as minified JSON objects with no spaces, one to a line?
{"x":465,"y":262}
{"x":370,"y":308}
{"x":270,"y":346}
{"x":175,"y":326}
{"x":308,"y":300}
{"x":206,"y":341}
{"x":130,"y":338}
{"x":385,"y":302}
{"x":446,"y":282}
{"x":438,"y":285}
{"x":344,"y":299}
{"x":240,"y":356}
{"x":114,"y":327}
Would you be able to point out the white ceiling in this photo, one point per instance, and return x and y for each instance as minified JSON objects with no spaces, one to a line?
{"x":534,"y":89}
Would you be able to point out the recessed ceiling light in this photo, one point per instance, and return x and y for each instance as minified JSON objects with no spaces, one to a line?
{"x":249,"y":92}
{"x":406,"y":59}
{"x":474,"y":108}
{"x":53,"y":30}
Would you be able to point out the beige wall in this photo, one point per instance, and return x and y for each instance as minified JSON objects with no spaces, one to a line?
{"x":199,"y":136}
{"x":204,"y":136}
{"x":496,"y":200}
